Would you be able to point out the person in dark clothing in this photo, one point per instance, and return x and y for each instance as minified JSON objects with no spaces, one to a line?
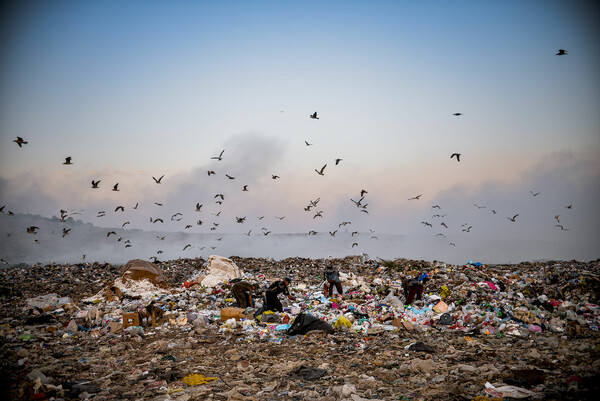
{"x":242,"y":291}
{"x":332,"y":278}
{"x":413,"y":288}
{"x":272,"y":301}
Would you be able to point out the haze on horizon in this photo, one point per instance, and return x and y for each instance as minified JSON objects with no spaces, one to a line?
{"x":148,"y":89}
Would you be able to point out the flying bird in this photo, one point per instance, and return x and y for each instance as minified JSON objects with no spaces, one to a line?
{"x":557,"y":218}
{"x":120,"y":207}
{"x":124,"y":224}
{"x":468,"y":229}
{"x":561,"y":52}
{"x":478,"y":207}
{"x":364,"y":211}
{"x":457,"y":156}
{"x":68,"y":160}
{"x":198,"y":207}
{"x":562,"y":228}
{"x":273,"y":176}
{"x":314,"y":116}
{"x":333,"y":233}
{"x":188,"y":226}
{"x":220,"y":196}
{"x":199,"y":222}
{"x":158,"y":180}
{"x":187,"y":246}
{"x":319,"y":214}
{"x":266,"y":232}
{"x":19,"y":141}
{"x":452,"y":244}
{"x":534,"y":194}
{"x":116,"y":187}
{"x":210,"y":172}
{"x":32,"y":229}
{"x":569,"y":207}
{"x":435,"y":207}
{"x":308,"y":144}
{"x":240,"y":219}
{"x":157,"y":220}
{"x":321,"y":171}
{"x":457,"y":114}
{"x":95,"y":184}
{"x":158,"y":204}
{"x":443,"y":224}
{"x":363,"y":193}
{"x":136,"y":205}
{"x":110,"y":233}
{"x":220,"y":157}
{"x":337,"y":161}
{"x":245,"y":189}
{"x":513,"y":218}
{"x":354,"y":244}
{"x":416,"y":197}
{"x":248,"y":233}
{"x":230,"y":177}
{"x":426,"y":223}
{"x":280,"y":218}
{"x":440,"y":235}
{"x":354,"y":233}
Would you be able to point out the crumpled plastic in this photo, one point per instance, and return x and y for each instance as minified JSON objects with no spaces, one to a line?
{"x":197,"y":379}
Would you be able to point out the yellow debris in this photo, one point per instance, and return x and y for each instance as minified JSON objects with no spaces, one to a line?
{"x":196,"y":379}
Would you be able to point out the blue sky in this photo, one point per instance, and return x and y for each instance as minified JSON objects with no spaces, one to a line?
{"x":132,"y":90}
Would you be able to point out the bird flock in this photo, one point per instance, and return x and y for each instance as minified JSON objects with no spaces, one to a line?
{"x":312,"y":207}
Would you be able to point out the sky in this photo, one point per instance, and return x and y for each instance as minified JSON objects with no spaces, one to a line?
{"x":141,"y":89}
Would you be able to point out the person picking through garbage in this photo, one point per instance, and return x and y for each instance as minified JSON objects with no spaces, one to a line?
{"x":272,"y":301}
{"x":413,"y":288}
{"x":242,"y":291}
{"x":332,"y":278}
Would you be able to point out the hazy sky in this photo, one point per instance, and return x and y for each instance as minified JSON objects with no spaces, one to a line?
{"x":136,"y":89}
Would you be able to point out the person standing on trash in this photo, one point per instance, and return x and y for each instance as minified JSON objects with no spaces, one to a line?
{"x":332,"y":278}
{"x":413,"y":288}
{"x":272,"y":301}
{"x":242,"y":291}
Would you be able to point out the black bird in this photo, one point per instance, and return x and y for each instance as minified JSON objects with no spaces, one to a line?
{"x":157,"y":220}
{"x":116,"y":187}
{"x":513,"y":218}
{"x":230,"y":177}
{"x":443,"y":224}
{"x":136,"y":205}
{"x":435,"y":207}
{"x":354,"y":233}
{"x":457,"y":156}
{"x":561,"y":52}
{"x":534,"y":194}
{"x":240,"y":219}
{"x":314,"y":116}
{"x":478,"y":207}
{"x":220,"y":196}
{"x":318,"y":214}
{"x":198,"y":207}
{"x":416,"y":197}
{"x":188,"y":226}
{"x":95,"y":184}
{"x":159,"y":180}
{"x":321,"y":171}
{"x":280,"y":218}
{"x":19,"y":141}
{"x":111,"y":232}
{"x":468,"y":229}
{"x":457,"y":114}
{"x":562,"y":228}
{"x":426,"y":223}
{"x":158,"y":204}
{"x":199,"y":222}
{"x":119,"y":207}
{"x":32,"y":229}
{"x":273,"y":176}
{"x":248,"y":233}
{"x":440,"y":235}
{"x":187,"y":246}
{"x":245,"y":189}
{"x":332,"y":233}
{"x":220,"y":157}
{"x":68,"y":160}
{"x":210,"y":172}
{"x":337,"y":161}
{"x":363,"y":192}
{"x":354,"y":244}
{"x":308,"y":144}
{"x":569,"y":207}
{"x":124,"y":224}
{"x":452,"y":243}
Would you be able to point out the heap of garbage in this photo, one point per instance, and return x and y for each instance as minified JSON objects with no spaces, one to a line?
{"x":172,"y":330}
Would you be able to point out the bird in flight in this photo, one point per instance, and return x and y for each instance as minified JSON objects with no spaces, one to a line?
{"x":319,"y":214}
{"x":220,"y":157}
{"x":354,"y":244}
{"x":337,"y":161}
{"x":188,"y":226}
{"x":468,"y":229}
{"x":248,"y":233}
{"x":363,"y":192}
{"x":416,"y":197}
{"x":513,"y":218}
{"x":443,"y":224}
{"x":440,"y":235}
{"x":230,"y":177}
{"x":245,"y":189}
{"x":32,"y":229}
{"x":333,"y":233}
{"x":354,"y":233}
{"x":95,"y":184}
{"x":280,"y":218}
{"x":562,"y":228}
{"x":457,"y":114}
{"x":457,"y":156}
{"x":569,"y":207}
{"x":261,"y":217}
{"x":534,"y":194}
{"x":308,"y":144}
{"x":478,"y":207}
{"x":158,"y":180}
{"x":111,"y":232}
{"x":220,"y":196}
{"x":124,"y":224}
{"x":240,"y":219}
{"x":158,"y":204}
{"x":321,"y":172}
{"x":198,"y":207}
{"x":136,"y":205}
{"x":314,"y":116}
{"x":561,"y":52}
{"x":116,"y":187}
{"x":557,"y":218}
{"x":187,"y":246}
{"x":273,"y":176}
{"x":210,"y":172}
{"x":119,"y":207}
{"x":68,"y":160}
{"x":157,"y":220}
{"x":435,"y":207}
{"x":19,"y":141}
{"x":199,"y":222}
{"x":426,"y":223}
{"x":452,"y":244}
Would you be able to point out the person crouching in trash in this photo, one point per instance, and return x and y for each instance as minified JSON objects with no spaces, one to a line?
{"x":413,"y":288}
{"x":242,"y":291}
{"x":332,"y":278}
{"x":272,"y":301}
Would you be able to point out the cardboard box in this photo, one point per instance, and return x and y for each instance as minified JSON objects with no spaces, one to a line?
{"x":440,"y":307}
{"x":131,"y":319}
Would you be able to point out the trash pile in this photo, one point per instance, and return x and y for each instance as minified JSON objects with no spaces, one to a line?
{"x":172,"y":330}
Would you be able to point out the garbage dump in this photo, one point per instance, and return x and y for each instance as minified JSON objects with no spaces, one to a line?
{"x":165,"y":332}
